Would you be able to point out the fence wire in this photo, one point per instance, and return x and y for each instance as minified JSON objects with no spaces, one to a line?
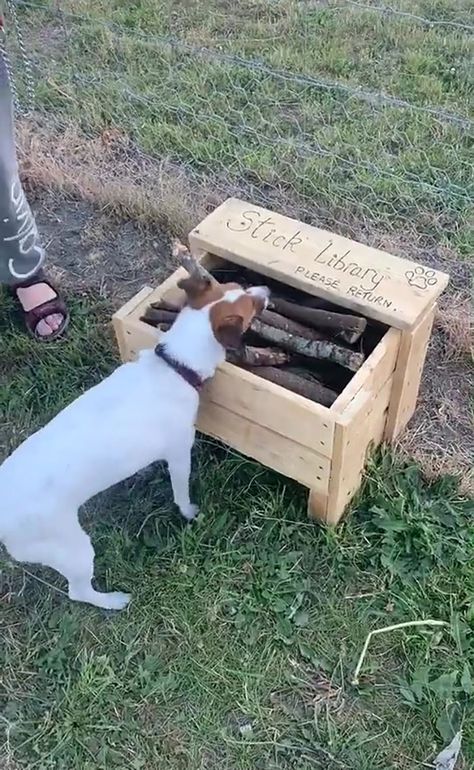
{"x":328,"y":151}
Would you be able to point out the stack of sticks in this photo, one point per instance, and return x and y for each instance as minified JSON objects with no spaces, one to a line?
{"x":297,"y":342}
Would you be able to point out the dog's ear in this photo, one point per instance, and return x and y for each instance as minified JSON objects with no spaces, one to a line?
{"x":260,"y":296}
{"x":194,"y":286}
{"x":229,"y":332}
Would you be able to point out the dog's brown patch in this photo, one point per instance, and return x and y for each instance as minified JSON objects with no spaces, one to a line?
{"x":201,"y":291}
{"x":229,"y":320}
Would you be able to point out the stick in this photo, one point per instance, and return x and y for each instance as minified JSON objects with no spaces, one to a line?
{"x":314,"y":391}
{"x":322,"y":349}
{"x":348,"y":327}
{"x":306,"y":374}
{"x":289,"y":326}
{"x":190,"y":263}
{"x":295,"y":328}
{"x":408,"y":624}
{"x":251,"y":356}
{"x":164,"y":304}
{"x":154,"y":316}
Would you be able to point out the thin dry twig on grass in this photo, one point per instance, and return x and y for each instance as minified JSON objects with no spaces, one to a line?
{"x":387,"y":629}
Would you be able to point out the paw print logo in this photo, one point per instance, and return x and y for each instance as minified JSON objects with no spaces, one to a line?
{"x":421,"y":278}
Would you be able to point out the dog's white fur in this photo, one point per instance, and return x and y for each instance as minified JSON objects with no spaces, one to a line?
{"x":144,"y":411}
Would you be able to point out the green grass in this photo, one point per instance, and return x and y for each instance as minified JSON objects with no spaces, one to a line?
{"x":354,"y":162}
{"x":244,"y":630}
{"x":239,"y":646}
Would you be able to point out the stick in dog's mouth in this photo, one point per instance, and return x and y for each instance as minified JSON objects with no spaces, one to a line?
{"x":190,"y":263}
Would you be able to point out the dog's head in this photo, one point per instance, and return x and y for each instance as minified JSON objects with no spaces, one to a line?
{"x":231,"y":308}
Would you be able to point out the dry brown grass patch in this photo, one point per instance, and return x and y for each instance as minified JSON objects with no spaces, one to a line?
{"x":109,"y":172}
{"x":454,"y":322}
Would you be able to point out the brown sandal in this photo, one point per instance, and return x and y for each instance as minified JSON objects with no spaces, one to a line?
{"x":55,"y":306}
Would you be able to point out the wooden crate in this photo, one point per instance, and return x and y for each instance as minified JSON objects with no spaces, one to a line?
{"x":323,"y":448}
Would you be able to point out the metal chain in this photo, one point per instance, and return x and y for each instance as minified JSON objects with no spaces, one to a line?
{"x":28,"y":69}
{"x":8,"y":66}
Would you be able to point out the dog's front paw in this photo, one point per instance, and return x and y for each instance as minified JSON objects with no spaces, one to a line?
{"x":190,"y":512}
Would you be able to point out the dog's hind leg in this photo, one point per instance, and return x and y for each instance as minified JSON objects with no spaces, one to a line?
{"x":70,"y":552}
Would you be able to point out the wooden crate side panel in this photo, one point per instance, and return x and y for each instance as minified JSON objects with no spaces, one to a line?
{"x":407,"y":376}
{"x":272,"y":407}
{"x":273,"y":450}
{"x":373,"y":373}
{"x":134,"y":335}
{"x":352,"y":440}
{"x":367,"y":280}
{"x":120,"y":316}
{"x":367,"y":431}
{"x":133,"y":303}
{"x":119,"y":330}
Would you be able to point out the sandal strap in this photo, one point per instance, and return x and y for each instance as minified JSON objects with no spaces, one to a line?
{"x":54,"y":306}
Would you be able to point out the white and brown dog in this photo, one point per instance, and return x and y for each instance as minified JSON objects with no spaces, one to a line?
{"x":144,"y":411}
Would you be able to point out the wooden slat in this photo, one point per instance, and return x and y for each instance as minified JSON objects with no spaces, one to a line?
{"x":121,"y":316}
{"x":372,"y":282}
{"x":373,"y":373}
{"x":363,"y":426}
{"x":273,"y":450}
{"x":139,"y":298}
{"x":352,"y":477}
{"x":407,"y":377}
{"x":272,"y":406}
{"x":133,"y":336}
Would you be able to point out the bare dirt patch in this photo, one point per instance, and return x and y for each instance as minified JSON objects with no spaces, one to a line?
{"x":93,"y":250}
{"x":105,"y":209}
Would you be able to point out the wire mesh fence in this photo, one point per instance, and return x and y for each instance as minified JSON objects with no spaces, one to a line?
{"x":254,"y":117}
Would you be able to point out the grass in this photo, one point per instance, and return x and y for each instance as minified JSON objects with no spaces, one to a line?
{"x":258,"y":112}
{"x":238,"y":648}
{"x":240,"y":643}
